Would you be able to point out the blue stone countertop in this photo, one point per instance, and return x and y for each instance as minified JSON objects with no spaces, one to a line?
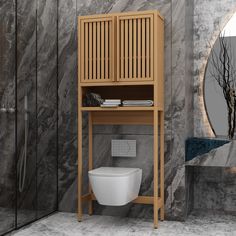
{"x":196,"y":147}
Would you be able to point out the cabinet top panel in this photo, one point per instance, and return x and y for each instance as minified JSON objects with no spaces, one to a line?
{"x":118,"y":14}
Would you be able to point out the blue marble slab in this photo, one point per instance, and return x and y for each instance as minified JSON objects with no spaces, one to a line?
{"x":199,"y":146}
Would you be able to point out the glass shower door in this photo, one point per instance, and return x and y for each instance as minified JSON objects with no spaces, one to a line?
{"x":37,"y":109}
{"x":7,"y":116}
{"x":28,"y":134}
{"x":26,"y":112}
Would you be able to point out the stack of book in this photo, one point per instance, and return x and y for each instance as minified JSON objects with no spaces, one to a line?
{"x":137,"y":103}
{"x":111,"y":103}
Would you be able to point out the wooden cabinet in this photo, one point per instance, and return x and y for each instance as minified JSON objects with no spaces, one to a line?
{"x":135,"y":47}
{"x":96,"y":48}
{"x":120,"y":56}
{"x":118,"y":47}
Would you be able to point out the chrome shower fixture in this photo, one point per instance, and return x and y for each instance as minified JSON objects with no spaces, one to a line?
{"x":23,"y":158}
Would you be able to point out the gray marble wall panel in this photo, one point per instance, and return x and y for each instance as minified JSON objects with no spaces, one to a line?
{"x":175,"y":110}
{"x":189,"y":175}
{"x":67,"y":104}
{"x":214,"y":180}
{"x":175,"y":200}
{"x":215,"y":189}
{"x":46,"y":107}
{"x":189,"y":114}
{"x":189,"y":189}
{"x":182,"y":123}
{"x":209,"y":19}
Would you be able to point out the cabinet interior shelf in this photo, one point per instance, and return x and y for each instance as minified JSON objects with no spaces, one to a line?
{"x":118,"y":108}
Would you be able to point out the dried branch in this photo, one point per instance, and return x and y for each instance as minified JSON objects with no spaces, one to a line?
{"x":224,"y":72}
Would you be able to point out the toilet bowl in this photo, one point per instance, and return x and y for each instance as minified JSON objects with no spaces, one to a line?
{"x":115,"y":186}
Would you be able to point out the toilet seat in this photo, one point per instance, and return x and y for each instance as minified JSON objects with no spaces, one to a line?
{"x":112,"y":171}
{"x":115,"y":186}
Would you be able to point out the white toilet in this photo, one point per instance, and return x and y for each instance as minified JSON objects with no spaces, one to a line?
{"x":114,"y":186}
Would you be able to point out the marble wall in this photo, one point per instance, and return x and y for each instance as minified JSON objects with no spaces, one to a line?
{"x":210,"y":17}
{"x":178,"y":104}
{"x":47,"y":106}
{"x":218,"y":186}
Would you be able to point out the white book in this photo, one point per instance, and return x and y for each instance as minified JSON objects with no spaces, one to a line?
{"x":113,"y":100}
{"x":109,"y":105}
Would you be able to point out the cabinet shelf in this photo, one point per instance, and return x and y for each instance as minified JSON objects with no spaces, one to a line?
{"x":116,"y":83}
{"x":118,"y":108}
{"x":148,"y":200}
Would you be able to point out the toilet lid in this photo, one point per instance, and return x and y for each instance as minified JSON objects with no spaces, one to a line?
{"x":113,"y":171}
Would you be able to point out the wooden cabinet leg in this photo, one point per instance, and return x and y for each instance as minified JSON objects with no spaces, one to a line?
{"x":80,"y":168}
{"x":162,"y":164}
{"x":90,"y":164}
{"x":155,"y":166}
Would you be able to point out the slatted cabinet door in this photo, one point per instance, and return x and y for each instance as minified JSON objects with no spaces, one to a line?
{"x":135,"y":47}
{"x":96,"y":48}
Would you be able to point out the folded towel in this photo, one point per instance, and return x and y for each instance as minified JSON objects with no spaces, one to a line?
{"x":145,"y":103}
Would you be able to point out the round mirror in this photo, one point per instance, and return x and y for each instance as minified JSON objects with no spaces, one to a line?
{"x":220,"y":83}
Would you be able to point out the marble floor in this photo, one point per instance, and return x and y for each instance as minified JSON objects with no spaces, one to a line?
{"x":65,"y":224}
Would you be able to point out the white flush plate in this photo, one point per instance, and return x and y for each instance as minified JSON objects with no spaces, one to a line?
{"x":123,"y":148}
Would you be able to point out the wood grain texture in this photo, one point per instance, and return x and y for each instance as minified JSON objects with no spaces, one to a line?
{"x":130,"y":49}
{"x":90,"y":162}
{"x":102,"y":49}
{"x":90,"y":51}
{"x":155,"y":166}
{"x":98,"y":76}
{"x":106,"y":49}
{"x":126,"y":47}
{"x":149,"y":200}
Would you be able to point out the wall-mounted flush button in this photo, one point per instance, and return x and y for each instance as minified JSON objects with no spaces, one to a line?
{"x":123,"y":148}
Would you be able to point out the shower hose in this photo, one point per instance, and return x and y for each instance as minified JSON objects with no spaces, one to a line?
{"x":23,"y":157}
